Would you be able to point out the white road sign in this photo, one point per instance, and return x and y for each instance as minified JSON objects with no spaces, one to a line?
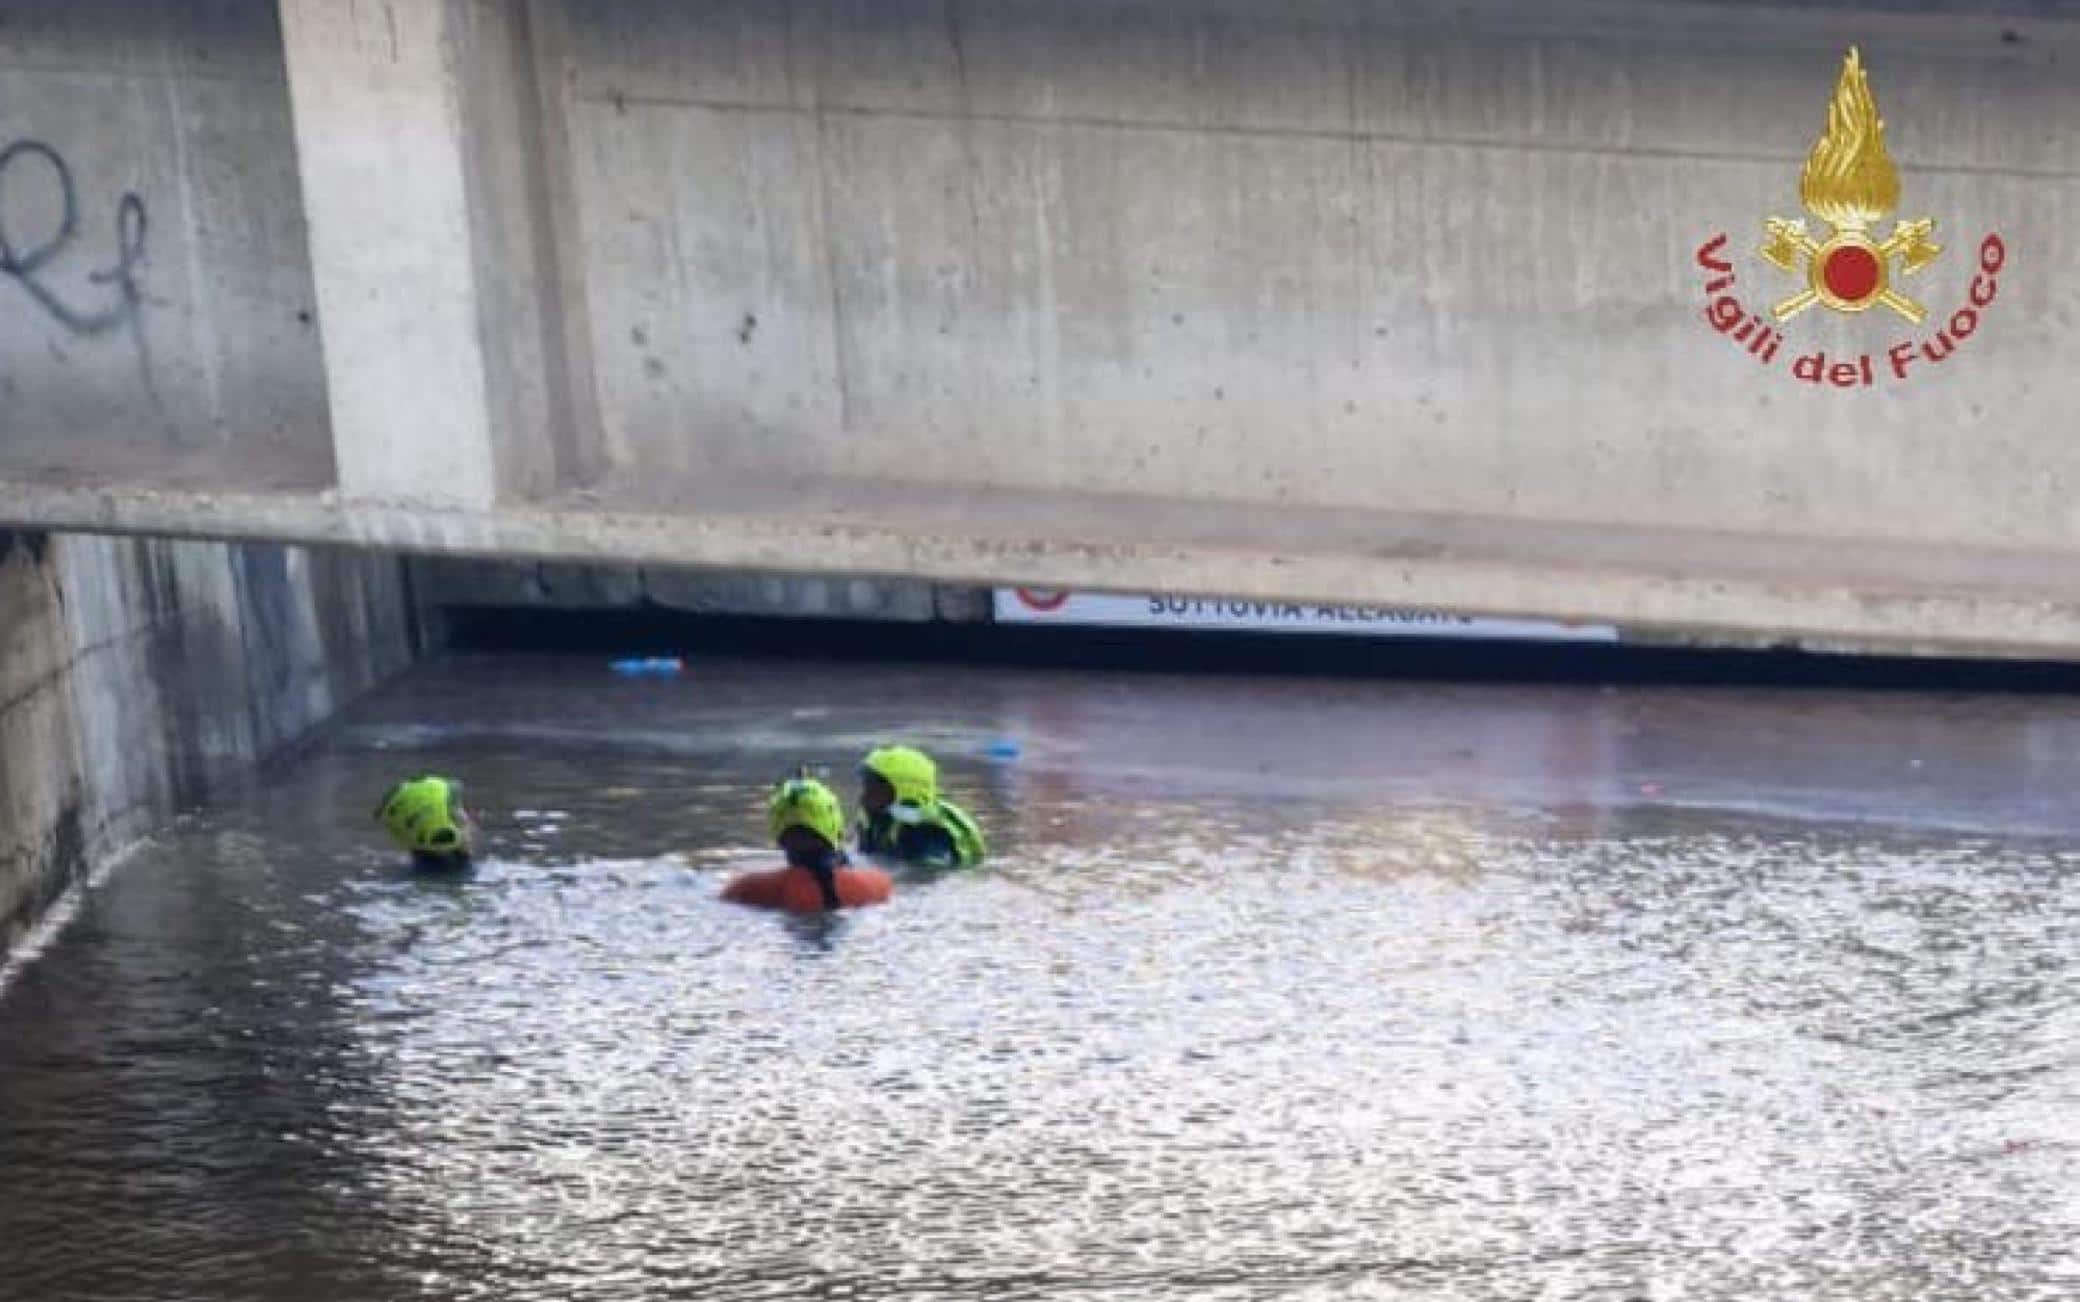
{"x":1158,"y":610}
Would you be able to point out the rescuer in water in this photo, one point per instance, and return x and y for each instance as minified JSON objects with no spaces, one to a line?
{"x":808,"y":823}
{"x":902,"y":816}
{"x":426,"y":817}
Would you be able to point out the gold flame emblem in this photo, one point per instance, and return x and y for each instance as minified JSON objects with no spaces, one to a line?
{"x":1850,"y":183}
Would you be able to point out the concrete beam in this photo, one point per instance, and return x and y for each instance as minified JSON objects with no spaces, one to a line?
{"x":1325,"y":300}
{"x":1658,"y":586}
{"x":417,"y":130}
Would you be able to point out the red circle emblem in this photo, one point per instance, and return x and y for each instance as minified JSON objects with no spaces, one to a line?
{"x":1851,"y":273}
{"x":1041,"y":599}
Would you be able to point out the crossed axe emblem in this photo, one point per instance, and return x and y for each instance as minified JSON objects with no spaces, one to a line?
{"x":1849,"y":272}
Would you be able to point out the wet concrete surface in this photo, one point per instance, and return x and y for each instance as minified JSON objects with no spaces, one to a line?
{"x":1275,"y":989}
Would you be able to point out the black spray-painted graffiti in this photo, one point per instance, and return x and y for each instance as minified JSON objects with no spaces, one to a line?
{"x":24,"y":255}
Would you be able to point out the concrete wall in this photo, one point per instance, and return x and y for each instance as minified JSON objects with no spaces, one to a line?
{"x":168,"y":334}
{"x":1394,"y":303}
{"x":136,"y":677}
{"x":1318,"y":255}
{"x":447,"y":582}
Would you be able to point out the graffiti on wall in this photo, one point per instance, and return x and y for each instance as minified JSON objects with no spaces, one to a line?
{"x":27,"y":250}
{"x":39,"y":222}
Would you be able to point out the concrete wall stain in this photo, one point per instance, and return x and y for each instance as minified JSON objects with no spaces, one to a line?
{"x":34,"y":544}
{"x":176,"y":669}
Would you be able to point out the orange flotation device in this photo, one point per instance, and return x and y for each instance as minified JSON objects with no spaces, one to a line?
{"x":795,"y":889}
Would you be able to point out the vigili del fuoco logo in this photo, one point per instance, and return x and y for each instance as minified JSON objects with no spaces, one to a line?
{"x":1850,"y":186}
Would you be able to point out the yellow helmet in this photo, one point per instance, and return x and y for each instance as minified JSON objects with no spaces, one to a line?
{"x":424,"y":815}
{"x":805,"y":802}
{"x":910,"y":771}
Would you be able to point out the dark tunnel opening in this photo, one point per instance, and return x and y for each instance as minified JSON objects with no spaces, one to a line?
{"x":652,"y":631}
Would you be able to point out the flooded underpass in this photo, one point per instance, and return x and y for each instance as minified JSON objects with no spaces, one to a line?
{"x":1272,"y":989}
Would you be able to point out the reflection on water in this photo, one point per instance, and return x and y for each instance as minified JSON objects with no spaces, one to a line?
{"x":1277,"y":990}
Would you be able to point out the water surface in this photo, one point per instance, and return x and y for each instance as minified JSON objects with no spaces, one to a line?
{"x":1275,"y":990}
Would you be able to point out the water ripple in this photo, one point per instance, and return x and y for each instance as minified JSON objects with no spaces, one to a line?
{"x":1184,"y":1043}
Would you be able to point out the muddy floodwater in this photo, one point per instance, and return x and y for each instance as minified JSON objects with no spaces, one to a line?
{"x":1274,"y":989}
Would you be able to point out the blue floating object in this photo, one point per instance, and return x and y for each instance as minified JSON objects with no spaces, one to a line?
{"x":650,"y":667}
{"x":1004,"y":750}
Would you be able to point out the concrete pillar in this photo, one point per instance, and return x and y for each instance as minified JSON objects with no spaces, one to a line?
{"x":430,"y":247}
